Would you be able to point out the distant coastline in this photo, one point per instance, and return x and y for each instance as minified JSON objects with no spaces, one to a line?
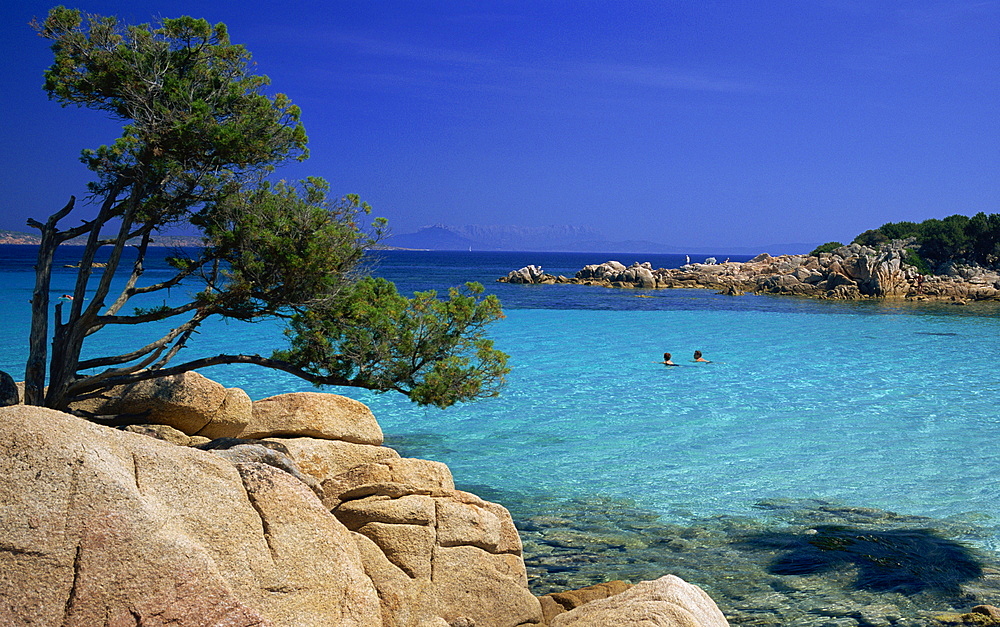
{"x":169,"y":241}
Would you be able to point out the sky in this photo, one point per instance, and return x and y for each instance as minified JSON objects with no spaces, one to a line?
{"x":686,"y":123}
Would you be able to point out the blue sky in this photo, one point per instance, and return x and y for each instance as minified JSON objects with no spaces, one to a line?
{"x":684,"y":123}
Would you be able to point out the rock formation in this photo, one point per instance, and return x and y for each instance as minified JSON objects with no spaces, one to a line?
{"x":312,"y":523}
{"x":9,"y":394}
{"x":667,"y":601}
{"x":849,"y":272}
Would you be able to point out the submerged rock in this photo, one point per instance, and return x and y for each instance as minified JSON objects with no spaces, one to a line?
{"x":803,"y":562}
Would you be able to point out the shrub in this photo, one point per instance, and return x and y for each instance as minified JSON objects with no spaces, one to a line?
{"x":828,"y":247}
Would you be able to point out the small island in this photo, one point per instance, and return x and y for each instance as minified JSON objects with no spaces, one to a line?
{"x":956,"y":264}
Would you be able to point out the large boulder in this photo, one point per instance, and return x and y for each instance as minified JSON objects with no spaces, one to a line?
{"x":315,"y":415}
{"x":433,"y":552}
{"x":105,"y":527}
{"x":325,"y":459}
{"x":189,"y":402}
{"x":556,"y":603}
{"x":392,"y":477}
{"x":666,"y":602}
{"x":9,"y":394}
{"x":526,"y":275}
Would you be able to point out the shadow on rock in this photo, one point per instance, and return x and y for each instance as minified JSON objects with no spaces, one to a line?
{"x":907,"y":561}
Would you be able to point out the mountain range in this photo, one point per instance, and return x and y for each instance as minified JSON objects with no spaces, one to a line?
{"x":574,"y":239}
{"x":558,"y":239}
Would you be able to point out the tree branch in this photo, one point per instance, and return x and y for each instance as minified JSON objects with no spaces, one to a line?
{"x":157,"y":346}
{"x":89,"y":384}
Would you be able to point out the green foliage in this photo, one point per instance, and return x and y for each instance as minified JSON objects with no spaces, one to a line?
{"x":872,"y":238}
{"x":151,"y":311}
{"x":900,"y":230}
{"x":973,"y":240}
{"x":433,"y":350}
{"x":284,"y":245}
{"x":828,"y":247}
{"x":913,"y":258}
{"x":199,"y":140}
{"x":196,"y":117}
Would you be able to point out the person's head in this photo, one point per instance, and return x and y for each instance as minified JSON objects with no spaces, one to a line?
{"x":666,"y":356}
{"x":697,"y":354}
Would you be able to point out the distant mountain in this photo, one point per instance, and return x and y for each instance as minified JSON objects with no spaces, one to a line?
{"x":433,"y":238}
{"x":561,"y":239}
{"x":558,"y":239}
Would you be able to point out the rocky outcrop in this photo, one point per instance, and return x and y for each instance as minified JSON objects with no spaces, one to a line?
{"x":669,"y":601}
{"x":557,"y":603}
{"x":104,"y":527}
{"x":9,"y":394}
{"x":137,"y":526}
{"x":849,"y":272}
{"x":530,"y":275}
{"x":313,"y":414}
{"x":188,"y":402}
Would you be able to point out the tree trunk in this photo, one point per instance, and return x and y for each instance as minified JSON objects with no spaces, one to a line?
{"x":34,"y":371}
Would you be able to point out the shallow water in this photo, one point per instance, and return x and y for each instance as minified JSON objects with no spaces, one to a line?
{"x":875,"y":405}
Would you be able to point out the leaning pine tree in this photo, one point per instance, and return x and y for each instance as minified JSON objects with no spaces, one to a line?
{"x":200,"y":137}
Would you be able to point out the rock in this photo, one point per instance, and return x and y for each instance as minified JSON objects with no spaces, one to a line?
{"x":989,"y":611}
{"x":313,"y":414}
{"x":188,"y":402}
{"x":982,"y":615}
{"x":559,"y":602}
{"x":106,"y":527}
{"x":246,"y":453}
{"x":326,"y":584}
{"x":166,"y":433}
{"x":433,"y":551}
{"x":866,"y":273}
{"x":325,"y":459}
{"x":232,"y":416}
{"x":668,"y":602}
{"x":9,"y":394}
{"x":390,"y":477}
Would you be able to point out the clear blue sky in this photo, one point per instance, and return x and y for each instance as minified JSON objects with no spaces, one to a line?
{"x":696,"y":123}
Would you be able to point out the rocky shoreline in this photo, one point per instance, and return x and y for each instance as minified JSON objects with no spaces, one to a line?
{"x":851,"y":272}
{"x":203,"y":508}
{"x":213,"y":509}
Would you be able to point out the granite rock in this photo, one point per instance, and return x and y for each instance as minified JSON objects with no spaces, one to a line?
{"x":315,"y":415}
{"x":666,"y":602}
{"x":196,"y":540}
{"x":188,"y":402}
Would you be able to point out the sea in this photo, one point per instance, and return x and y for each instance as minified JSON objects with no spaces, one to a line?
{"x":809,"y":406}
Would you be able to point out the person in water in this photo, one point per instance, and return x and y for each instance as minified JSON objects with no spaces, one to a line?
{"x":667,"y":361}
{"x":698,"y":357}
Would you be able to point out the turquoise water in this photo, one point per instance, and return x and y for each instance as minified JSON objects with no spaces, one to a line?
{"x":868,"y":404}
{"x":888,"y":411}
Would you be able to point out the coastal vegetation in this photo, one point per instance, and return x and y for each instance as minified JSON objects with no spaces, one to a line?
{"x":956,"y":238}
{"x":200,"y":140}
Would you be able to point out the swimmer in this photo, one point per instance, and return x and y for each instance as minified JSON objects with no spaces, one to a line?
{"x":65,"y":297}
{"x":698,"y":357}
{"x":666,"y":360}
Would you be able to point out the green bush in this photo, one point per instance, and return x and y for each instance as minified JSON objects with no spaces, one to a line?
{"x":828,"y":247}
{"x":913,"y":258}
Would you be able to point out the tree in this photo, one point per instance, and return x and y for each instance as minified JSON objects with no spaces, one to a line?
{"x":984,"y":232}
{"x":944,"y":240}
{"x":199,"y":140}
{"x":828,"y":247}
